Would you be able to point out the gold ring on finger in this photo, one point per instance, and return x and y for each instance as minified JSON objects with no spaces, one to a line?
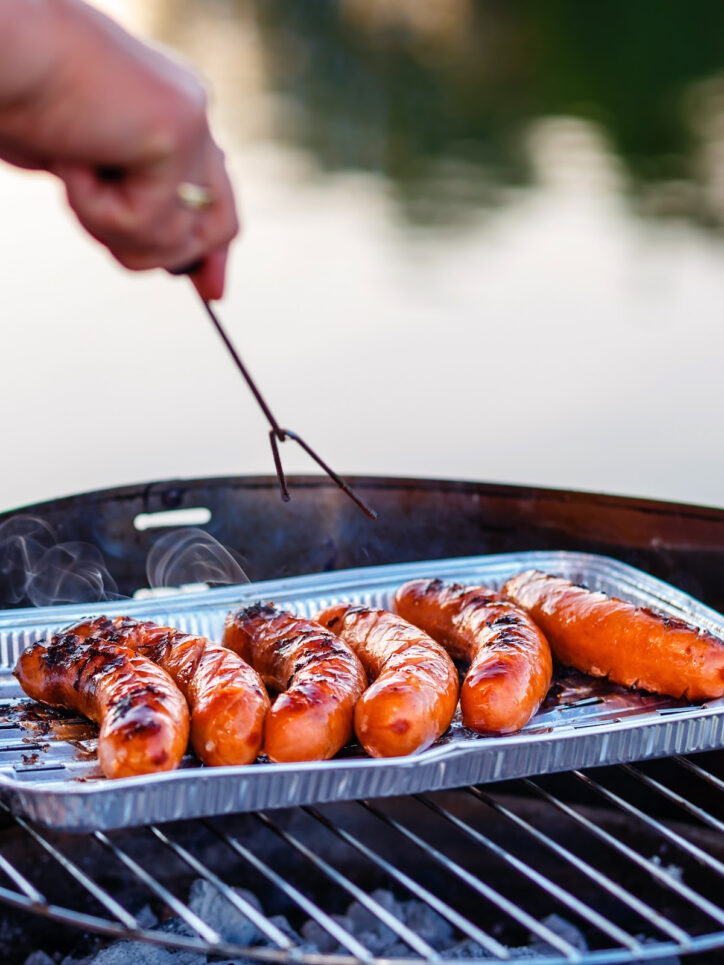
{"x":194,"y":196}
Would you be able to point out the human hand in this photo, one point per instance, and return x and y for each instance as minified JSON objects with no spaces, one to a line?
{"x":124,"y":126}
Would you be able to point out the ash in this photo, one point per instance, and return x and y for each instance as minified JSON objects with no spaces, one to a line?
{"x":206,"y":902}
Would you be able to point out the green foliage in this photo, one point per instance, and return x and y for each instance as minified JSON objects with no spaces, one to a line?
{"x":382,"y":95}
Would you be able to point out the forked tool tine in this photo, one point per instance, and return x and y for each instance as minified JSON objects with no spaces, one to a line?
{"x":276,"y":433}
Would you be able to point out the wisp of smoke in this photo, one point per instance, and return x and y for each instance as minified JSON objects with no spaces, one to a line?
{"x":191,"y":555}
{"x":71,"y":573}
{"x":36,"y":569}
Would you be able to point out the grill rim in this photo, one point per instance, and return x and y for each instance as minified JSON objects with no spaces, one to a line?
{"x":681,"y":543}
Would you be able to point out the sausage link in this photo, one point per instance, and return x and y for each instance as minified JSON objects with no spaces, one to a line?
{"x":143,"y":717}
{"x":510,"y":661}
{"x":415,"y":690}
{"x":631,"y":645}
{"x":319,"y":680}
{"x":226,"y":697}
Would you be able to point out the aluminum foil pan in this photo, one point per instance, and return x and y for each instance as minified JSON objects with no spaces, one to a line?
{"x":48,"y":771}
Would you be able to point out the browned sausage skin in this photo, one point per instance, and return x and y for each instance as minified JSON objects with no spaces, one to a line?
{"x":630,"y":645}
{"x":226,"y":697}
{"x":318,"y":677}
{"x":143,"y":717}
{"x":415,"y":690}
{"x":510,"y":661}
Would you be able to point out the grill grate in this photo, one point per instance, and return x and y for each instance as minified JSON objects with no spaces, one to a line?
{"x":632,"y":856}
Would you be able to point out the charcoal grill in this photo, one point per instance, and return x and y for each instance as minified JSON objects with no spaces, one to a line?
{"x":632,"y":856}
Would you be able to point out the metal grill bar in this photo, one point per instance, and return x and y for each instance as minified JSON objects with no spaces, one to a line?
{"x":415,"y":888}
{"x":684,"y":891}
{"x":543,"y":882}
{"x":688,"y":894}
{"x":618,"y":934}
{"x":375,"y":908}
{"x":175,"y":904}
{"x":29,"y":890}
{"x":321,"y":917}
{"x":487,"y":891}
{"x":92,"y":923}
{"x":241,"y":904}
{"x":706,"y":817}
{"x":702,"y":856}
{"x":710,"y":778}
{"x":100,"y":894}
{"x":677,"y":933}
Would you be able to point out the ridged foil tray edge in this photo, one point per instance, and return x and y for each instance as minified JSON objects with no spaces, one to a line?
{"x":572,"y":742}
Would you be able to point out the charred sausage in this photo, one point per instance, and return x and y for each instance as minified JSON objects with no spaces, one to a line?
{"x":630,"y":645}
{"x":415,"y":690}
{"x":226,"y":697}
{"x":318,"y":677}
{"x":143,"y":717}
{"x":510,"y":660}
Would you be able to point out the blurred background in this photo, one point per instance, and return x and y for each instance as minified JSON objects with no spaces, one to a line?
{"x":483,"y":240}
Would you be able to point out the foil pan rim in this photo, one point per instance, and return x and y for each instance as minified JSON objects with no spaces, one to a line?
{"x":642,"y":732}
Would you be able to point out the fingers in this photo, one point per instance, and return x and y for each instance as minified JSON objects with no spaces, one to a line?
{"x":144,"y":222}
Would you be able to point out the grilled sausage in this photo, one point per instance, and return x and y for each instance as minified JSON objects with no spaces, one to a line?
{"x":415,"y":690}
{"x":510,"y":661}
{"x":227,"y":699}
{"x":143,"y":717}
{"x":630,"y":645}
{"x":318,"y":677}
